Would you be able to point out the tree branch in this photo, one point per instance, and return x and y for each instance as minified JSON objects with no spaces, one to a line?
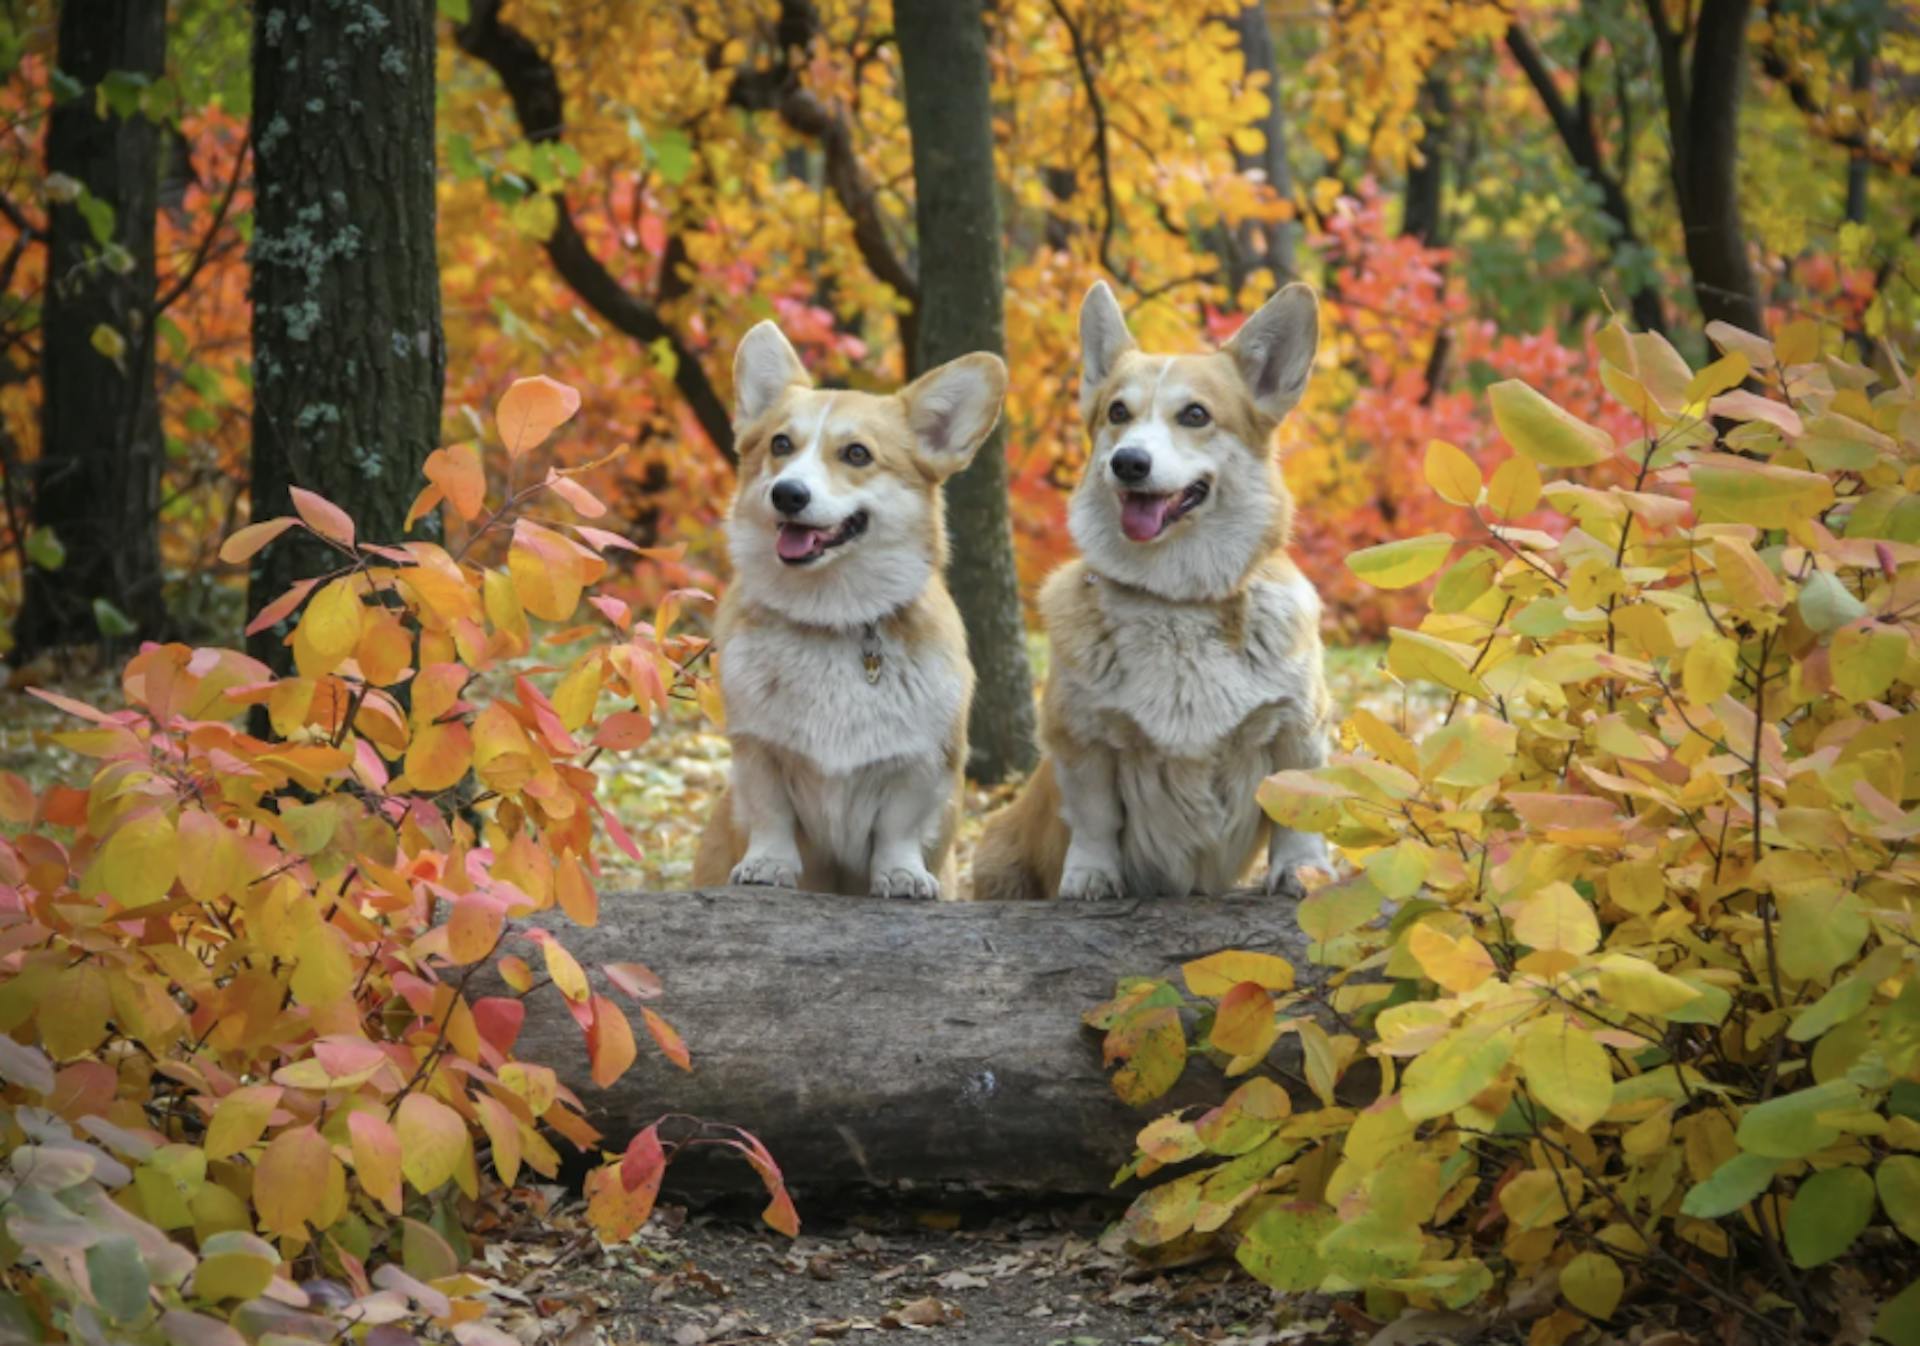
{"x":1583,"y":146}
{"x":185,"y":279}
{"x":1102,"y":154}
{"x":534,"y":89}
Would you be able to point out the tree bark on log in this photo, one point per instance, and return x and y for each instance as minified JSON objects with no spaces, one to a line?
{"x":896,"y":1044}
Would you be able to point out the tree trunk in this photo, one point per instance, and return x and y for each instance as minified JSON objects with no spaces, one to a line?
{"x":1703,"y":120}
{"x":1277,"y":240}
{"x":870,"y":1042}
{"x":97,"y":482}
{"x":348,"y":354}
{"x":943,"y":55}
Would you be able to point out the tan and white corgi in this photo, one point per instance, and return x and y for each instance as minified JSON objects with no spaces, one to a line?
{"x":1186,"y":662}
{"x":843,"y":663}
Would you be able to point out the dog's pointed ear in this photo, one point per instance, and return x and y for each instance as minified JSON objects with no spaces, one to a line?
{"x":764,"y":366}
{"x":1104,"y":338}
{"x":1274,"y":349}
{"x":951,"y":410}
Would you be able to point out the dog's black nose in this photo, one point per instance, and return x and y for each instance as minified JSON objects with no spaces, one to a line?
{"x":790,"y":497}
{"x":1131,"y":465}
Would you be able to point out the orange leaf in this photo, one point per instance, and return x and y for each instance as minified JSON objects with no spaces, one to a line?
{"x":615,"y":1213}
{"x":290,"y":1181}
{"x":584,"y":502}
{"x":281,"y":606}
{"x":429,"y":496}
{"x":503,"y":1134}
{"x":671,"y":1045}
{"x":474,"y":927}
{"x":531,"y":410}
{"x":1245,"y":1025}
{"x":438,"y":757}
{"x":636,"y":979}
{"x":246,"y":541}
{"x":376,"y":1158}
{"x":323,"y":516}
{"x":610,"y":1046}
{"x":624,"y":729}
{"x":576,"y":892}
{"x":457,"y":472}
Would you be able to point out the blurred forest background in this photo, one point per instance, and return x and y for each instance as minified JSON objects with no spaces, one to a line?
{"x":227,"y":266}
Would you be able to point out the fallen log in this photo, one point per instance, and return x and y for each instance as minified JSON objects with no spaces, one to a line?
{"x":899,"y":1044}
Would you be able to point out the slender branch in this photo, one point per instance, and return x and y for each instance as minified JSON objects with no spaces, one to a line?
{"x":204,"y":252}
{"x":534,"y":89}
{"x":1102,"y":154}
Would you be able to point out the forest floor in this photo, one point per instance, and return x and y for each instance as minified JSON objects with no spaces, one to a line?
{"x":1032,"y":1278}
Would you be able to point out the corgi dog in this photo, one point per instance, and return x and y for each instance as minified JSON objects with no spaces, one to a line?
{"x":842,"y":661}
{"x":1186,"y":661}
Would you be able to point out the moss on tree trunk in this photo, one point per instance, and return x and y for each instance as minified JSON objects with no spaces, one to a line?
{"x":348,"y":352}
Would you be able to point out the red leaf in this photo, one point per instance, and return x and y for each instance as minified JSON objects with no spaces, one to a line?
{"x":636,"y":979}
{"x":600,"y":539}
{"x":69,"y":705}
{"x":323,"y":516}
{"x":644,"y":1160}
{"x":498,"y":1019}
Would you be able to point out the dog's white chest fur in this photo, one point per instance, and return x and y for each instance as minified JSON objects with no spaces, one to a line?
{"x":1195,"y":713}
{"x":804,"y":691}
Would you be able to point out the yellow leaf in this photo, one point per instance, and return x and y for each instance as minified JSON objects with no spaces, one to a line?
{"x":331,"y":624}
{"x":433,"y":1141}
{"x":1459,"y":965}
{"x":1515,"y":488}
{"x":1708,"y":671}
{"x":1798,"y":342}
{"x":1454,"y":477}
{"x":1415,"y":655}
{"x":1637,"y":986}
{"x":1557,"y":917}
{"x":564,"y":970}
{"x":326,"y":970}
{"x":138,"y":864}
{"x":1567,"y":1072}
{"x":1395,"y":565}
{"x":1448,"y":1074}
{"x":376,"y":1158}
{"x":1218,"y":973}
{"x":239,"y":1119}
{"x":1543,"y":431}
{"x":1593,"y":1283}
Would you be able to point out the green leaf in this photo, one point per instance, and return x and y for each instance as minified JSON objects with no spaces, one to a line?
{"x":45,"y":549}
{"x":1729,"y":1187}
{"x":97,"y":213}
{"x":1899,"y":1320}
{"x":1568,"y":1072}
{"x":110,"y":620}
{"x":1826,"y":604}
{"x":1281,"y":1248}
{"x":1543,"y":431}
{"x":1789,"y":1127}
{"x":672,"y":154}
{"x":1733,"y":490}
{"x":118,"y":1277}
{"x":1827,"y":1215}
{"x":1898,"y":1180}
{"x":457,"y":10}
{"x":1837,"y":1006}
{"x":1448,"y":1074}
{"x":1395,"y":565}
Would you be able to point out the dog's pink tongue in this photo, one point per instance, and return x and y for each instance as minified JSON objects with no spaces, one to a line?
{"x":797,"y":541}
{"x":1143,"y":516}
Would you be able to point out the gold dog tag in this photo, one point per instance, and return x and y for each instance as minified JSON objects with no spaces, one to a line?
{"x":870,"y":660}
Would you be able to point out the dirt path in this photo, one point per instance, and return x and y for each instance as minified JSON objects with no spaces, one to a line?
{"x":1038,"y":1279}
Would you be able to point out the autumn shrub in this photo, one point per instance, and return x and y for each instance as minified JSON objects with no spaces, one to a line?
{"x":1629,"y":933}
{"x":244,"y":1047}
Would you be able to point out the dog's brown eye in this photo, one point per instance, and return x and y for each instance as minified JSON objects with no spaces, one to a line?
{"x":1118,"y":413}
{"x":857,"y":454}
{"x":781,"y":446}
{"x":1193,"y":416}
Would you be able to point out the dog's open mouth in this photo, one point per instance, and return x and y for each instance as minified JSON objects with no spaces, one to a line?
{"x":1145,"y":516}
{"x":800,"y":543}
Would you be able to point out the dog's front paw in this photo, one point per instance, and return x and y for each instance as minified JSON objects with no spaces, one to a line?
{"x":909,"y":881}
{"x":767,"y":871}
{"x":1089,"y":883}
{"x":1284,"y":881}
